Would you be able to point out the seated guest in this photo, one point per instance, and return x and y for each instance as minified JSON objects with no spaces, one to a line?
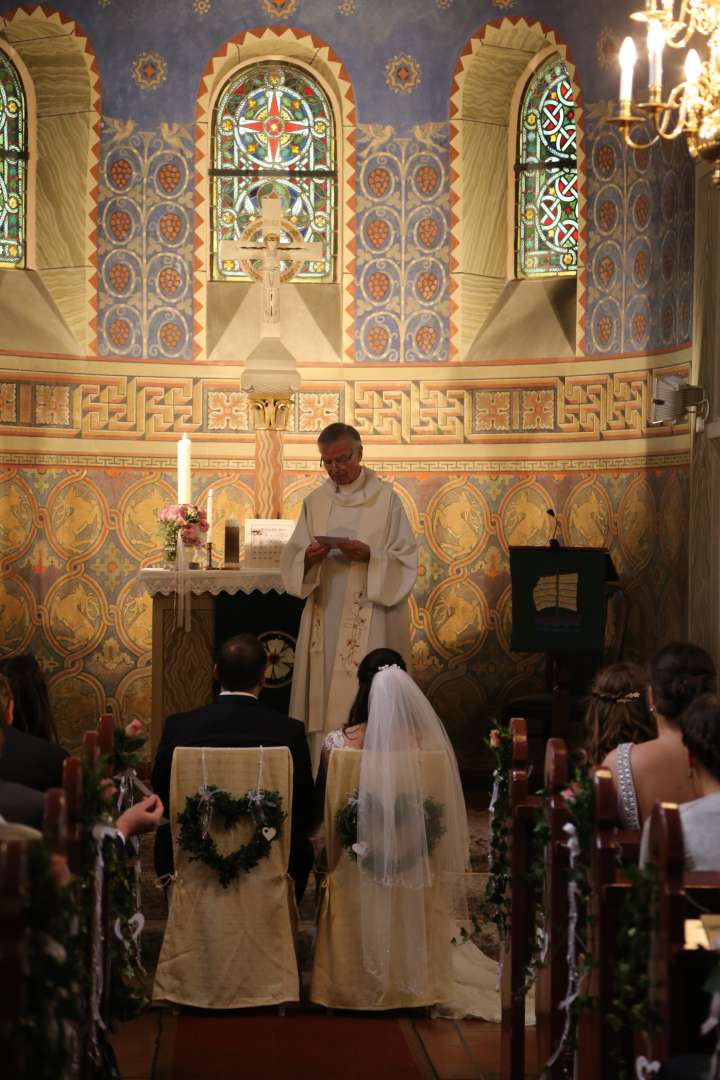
{"x":657,"y":770}
{"x":23,"y":805}
{"x":617,"y":711}
{"x":28,"y":759}
{"x":701,"y":817}
{"x":237,"y":719}
{"x":32,"y":712}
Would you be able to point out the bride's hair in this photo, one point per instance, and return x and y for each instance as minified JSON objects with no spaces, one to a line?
{"x":367,"y":670}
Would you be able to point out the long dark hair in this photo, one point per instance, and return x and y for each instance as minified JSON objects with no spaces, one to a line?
{"x":31,"y":712}
{"x":617,"y":711}
{"x":679,"y":673}
{"x":367,"y":670}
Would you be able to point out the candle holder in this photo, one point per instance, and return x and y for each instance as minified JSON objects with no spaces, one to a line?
{"x":208,"y":556}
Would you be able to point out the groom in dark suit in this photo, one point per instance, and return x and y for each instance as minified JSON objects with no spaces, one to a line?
{"x":237,"y":719}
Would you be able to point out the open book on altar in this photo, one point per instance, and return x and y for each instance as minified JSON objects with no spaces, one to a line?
{"x":265,"y":539}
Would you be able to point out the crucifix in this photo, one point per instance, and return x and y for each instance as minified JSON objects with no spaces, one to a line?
{"x":272,"y":253}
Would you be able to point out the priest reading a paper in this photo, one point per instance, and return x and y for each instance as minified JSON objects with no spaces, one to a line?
{"x":354,"y":557}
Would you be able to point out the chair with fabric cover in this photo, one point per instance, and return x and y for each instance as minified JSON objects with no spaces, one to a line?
{"x":234,"y":947}
{"x":339,"y":979}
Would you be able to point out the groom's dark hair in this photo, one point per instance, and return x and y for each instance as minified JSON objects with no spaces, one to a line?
{"x":241,"y":662}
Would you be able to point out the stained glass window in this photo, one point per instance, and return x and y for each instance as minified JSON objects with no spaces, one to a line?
{"x":13,"y":158}
{"x":547,"y":181}
{"x":274,"y":134}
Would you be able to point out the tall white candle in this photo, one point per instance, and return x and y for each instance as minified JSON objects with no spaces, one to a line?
{"x":628,"y":56}
{"x":655,"y":44}
{"x":209,"y":515}
{"x":184,"y":450}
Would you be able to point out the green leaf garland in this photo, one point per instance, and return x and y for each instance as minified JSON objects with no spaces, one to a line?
{"x":265,"y":810}
{"x":346,"y":825}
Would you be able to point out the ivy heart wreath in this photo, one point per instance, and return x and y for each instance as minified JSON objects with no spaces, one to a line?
{"x":346,"y":824}
{"x":264,"y":808}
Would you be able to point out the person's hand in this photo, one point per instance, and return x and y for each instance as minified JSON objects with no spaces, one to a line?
{"x":59,"y":870}
{"x":355,"y":550}
{"x":144,"y":816}
{"x":314,"y":554}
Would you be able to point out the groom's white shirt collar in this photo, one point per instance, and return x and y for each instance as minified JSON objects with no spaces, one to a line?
{"x":238,"y":693}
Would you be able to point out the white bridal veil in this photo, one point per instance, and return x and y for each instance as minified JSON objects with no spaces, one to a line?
{"x":412,"y":831}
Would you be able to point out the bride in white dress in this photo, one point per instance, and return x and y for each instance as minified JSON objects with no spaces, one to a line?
{"x":390,"y":714}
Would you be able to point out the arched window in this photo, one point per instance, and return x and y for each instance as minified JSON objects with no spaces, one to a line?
{"x":273,"y":133}
{"x":13,"y":159}
{"x":547,"y":182}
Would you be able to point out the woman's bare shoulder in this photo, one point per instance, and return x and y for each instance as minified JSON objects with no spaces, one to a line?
{"x":610,"y":760}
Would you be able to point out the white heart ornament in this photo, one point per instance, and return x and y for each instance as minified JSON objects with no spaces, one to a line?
{"x":269,"y":833}
{"x":360,"y":849}
{"x":644,"y":1069}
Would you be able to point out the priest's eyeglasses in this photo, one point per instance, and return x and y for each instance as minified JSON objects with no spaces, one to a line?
{"x":337,"y":462}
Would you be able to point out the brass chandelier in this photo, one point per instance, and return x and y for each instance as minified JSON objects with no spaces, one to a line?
{"x":692,"y":107}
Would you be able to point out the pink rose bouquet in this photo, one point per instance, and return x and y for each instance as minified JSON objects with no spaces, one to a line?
{"x":184,"y":520}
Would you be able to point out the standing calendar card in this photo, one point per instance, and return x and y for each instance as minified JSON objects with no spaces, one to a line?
{"x":265,"y":539}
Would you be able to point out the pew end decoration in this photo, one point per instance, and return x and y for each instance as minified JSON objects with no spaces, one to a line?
{"x":263,"y":808}
{"x":185,"y":522}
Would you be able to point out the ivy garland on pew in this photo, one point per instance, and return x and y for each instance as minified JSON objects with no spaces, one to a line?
{"x":127,"y":993}
{"x":54,"y":987}
{"x":495,"y":907}
{"x":346,"y":824}
{"x":263,"y":807}
{"x":630,"y":1006}
{"x":580,"y":802}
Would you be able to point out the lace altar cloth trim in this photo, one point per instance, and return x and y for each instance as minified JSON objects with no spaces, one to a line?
{"x":161,"y":582}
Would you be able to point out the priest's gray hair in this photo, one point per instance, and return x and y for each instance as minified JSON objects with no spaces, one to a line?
{"x":333,"y":432}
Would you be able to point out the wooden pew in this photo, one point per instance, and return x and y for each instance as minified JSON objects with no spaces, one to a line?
{"x":517,"y":948}
{"x":597,"y":1043}
{"x":676,"y":974}
{"x":13,"y":894}
{"x":552,"y":979}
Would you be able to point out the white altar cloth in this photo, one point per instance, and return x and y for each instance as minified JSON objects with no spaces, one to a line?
{"x":161,"y":582}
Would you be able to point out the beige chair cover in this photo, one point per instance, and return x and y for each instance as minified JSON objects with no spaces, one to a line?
{"x":339,"y":979}
{"x":235,"y":947}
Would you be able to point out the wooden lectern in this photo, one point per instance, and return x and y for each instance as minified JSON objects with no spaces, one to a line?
{"x":559,"y":607}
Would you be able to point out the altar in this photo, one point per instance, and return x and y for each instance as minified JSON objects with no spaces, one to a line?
{"x":222,"y":603}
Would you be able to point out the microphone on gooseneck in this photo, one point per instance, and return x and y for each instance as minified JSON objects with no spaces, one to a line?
{"x":553,"y":542}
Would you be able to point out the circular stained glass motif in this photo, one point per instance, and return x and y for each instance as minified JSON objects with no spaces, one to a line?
{"x":274,"y":135}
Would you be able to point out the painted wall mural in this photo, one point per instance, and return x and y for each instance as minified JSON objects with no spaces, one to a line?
{"x":74,"y":538}
{"x":478,"y":451}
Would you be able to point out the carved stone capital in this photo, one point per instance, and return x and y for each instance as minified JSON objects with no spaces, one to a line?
{"x":270,"y":410}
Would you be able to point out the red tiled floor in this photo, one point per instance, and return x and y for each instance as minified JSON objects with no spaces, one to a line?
{"x":134,"y":1045}
{"x":447,"y":1051}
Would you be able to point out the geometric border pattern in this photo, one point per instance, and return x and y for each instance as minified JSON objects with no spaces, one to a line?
{"x":547,"y":409}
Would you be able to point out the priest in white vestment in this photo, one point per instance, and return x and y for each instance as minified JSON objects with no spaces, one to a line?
{"x":356,"y":588}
